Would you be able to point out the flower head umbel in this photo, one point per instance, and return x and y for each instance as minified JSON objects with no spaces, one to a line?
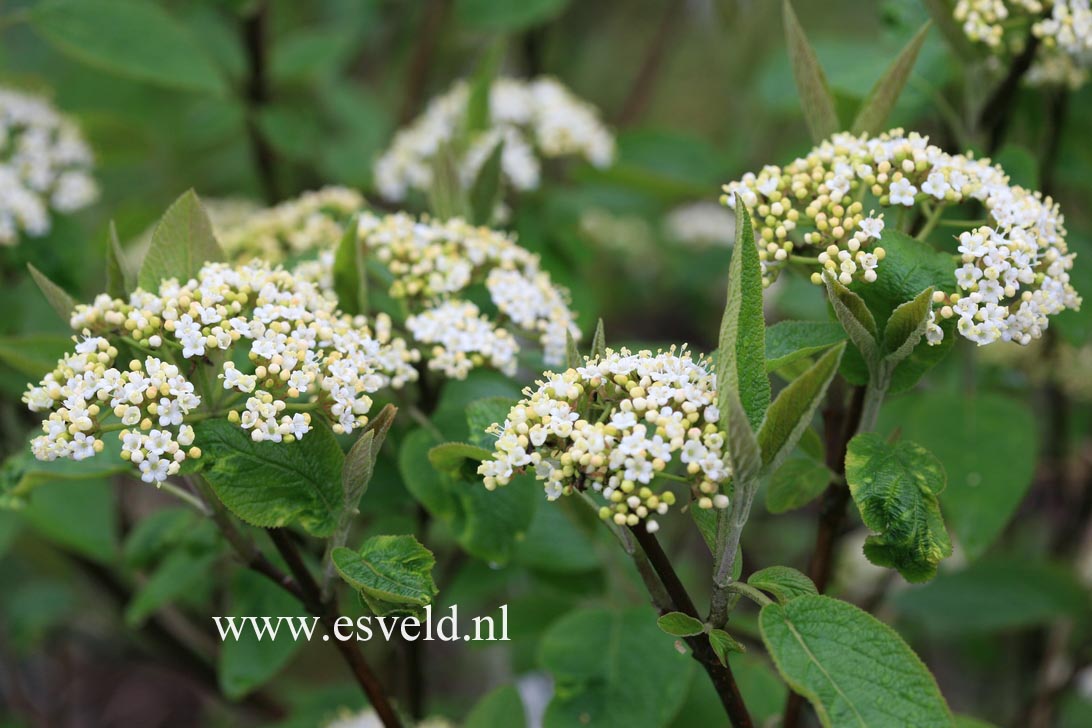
{"x":1063,"y":29}
{"x":619,"y":426}
{"x":295,"y":228}
{"x":433,"y":265}
{"x":272,"y":348}
{"x":537,"y":118}
{"x":44,"y":165}
{"x":1015,"y":267}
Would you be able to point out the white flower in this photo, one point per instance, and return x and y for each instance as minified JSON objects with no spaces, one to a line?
{"x":536,"y":117}
{"x":295,"y":337}
{"x":902,"y":192}
{"x":44,"y":164}
{"x":652,"y":408}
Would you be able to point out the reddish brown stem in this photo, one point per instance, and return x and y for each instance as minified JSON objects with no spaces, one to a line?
{"x":720,"y":674}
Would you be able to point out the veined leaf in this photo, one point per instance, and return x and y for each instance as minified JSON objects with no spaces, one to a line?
{"x":678,"y":624}
{"x":134,"y":39}
{"x":791,"y":413}
{"x":783,"y":582}
{"x":481,"y":413}
{"x":350,"y":274}
{"x":895,"y":488}
{"x":724,"y":644}
{"x":906,"y":327}
{"x":182,"y":242}
{"x":741,"y":353}
{"x":985,"y":484}
{"x":599,"y":342}
{"x":881,"y":99}
{"x":815,"y":97}
{"x":57,"y":297}
{"x":392,"y":570}
{"x":273,"y":484}
{"x":789,"y":341}
{"x":852,"y":668}
{"x":856,"y":319}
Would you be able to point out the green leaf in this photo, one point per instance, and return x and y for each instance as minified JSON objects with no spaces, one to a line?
{"x":856,"y":319}
{"x":134,"y":39}
{"x":482,"y":413}
{"x":599,"y":342}
{"x":789,"y":341}
{"x":572,"y":353}
{"x":791,"y":413}
{"x":909,"y":268}
{"x":985,"y":483}
{"x":350,"y":275}
{"x":446,"y":197}
{"x":489,"y":525}
{"x":248,"y":663}
{"x":724,"y":644}
{"x":796,"y":483}
{"x":486,"y":192}
{"x":741,"y":352}
{"x":995,"y":594}
{"x":394,"y":571}
{"x":179,"y":574}
{"x":356,"y":471}
{"x":34,"y":355}
{"x":480,"y":95}
{"x":449,"y":457}
{"x":501,"y":707}
{"x":678,"y":624}
{"x":182,"y":242}
{"x":57,"y":297}
{"x":119,"y":280}
{"x":895,"y":488}
{"x":592,"y":653}
{"x":273,"y":484}
{"x":22,"y":473}
{"x":852,"y":668}
{"x":154,"y":535}
{"x":503,"y":16}
{"x":783,"y":582}
{"x":811,"y":83}
{"x":875,"y":109}
{"x":80,"y":515}
{"x":906,"y":327}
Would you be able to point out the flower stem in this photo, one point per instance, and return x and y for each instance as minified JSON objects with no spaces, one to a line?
{"x":302,"y":585}
{"x":701,"y":650}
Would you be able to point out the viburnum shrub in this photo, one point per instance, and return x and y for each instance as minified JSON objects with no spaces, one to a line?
{"x":266,"y":365}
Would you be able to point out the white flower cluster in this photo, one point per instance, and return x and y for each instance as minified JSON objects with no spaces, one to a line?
{"x":301,"y":358}
{"x":1063,"y":27}
{"x":433,"y":263}
{"x":1015,"y":269}
{"x":44,"y":164}
{"x":313,"y":221}
{"x":536,"y":118}
{"x":618,"y":426}
{"x":150,"y":400}
{"x":701,"y":224}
